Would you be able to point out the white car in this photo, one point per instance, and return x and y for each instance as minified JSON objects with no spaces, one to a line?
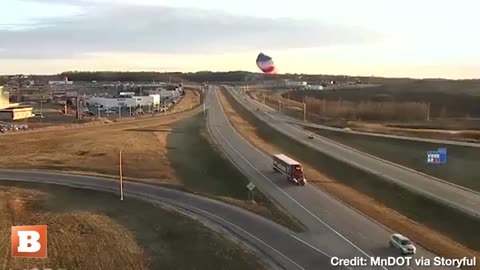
{"x":402,"y":243}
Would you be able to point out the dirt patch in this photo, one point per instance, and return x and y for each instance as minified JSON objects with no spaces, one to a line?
{"x":421,"y":234}
{"x":89,"y":234}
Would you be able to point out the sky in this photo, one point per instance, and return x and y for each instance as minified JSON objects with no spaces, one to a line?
{"x":435,"y":39}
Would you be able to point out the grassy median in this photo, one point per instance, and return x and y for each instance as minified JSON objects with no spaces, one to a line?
{"x":462,"y":161}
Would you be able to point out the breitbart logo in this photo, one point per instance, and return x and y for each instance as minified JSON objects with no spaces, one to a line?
{"x":29,"y":241}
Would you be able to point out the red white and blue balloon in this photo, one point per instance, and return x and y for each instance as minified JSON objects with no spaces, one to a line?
{"x":265,"y":63}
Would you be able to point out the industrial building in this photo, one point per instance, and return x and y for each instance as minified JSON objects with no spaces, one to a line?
{"x":289,"y":83}
{"x":107,"y":102}
{"x":125,"y":101}
{"x":64,"y":82}
{"x":12,"y":111}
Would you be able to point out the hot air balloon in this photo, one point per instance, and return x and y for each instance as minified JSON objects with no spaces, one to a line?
{"x":265,"y":63}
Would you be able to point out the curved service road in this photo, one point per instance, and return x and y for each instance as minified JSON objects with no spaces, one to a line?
{"x":278,"y":243}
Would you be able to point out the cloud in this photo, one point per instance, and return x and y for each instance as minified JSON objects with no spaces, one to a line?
{"x":108,"y":27}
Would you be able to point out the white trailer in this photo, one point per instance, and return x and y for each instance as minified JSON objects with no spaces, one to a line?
{"x":289,"y":167}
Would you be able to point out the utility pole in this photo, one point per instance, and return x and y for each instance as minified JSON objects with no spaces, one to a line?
{"x":41,"y":107}
{"x":77,"y":115}
{"x":120,"y":167}
{"x":428,"y":111}
{"x":119,"y":111}
{"x":120,"y":173}
{"x":304,"y":111}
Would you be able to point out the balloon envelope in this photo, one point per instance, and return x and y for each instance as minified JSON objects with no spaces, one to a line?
{"x":265,"y":63}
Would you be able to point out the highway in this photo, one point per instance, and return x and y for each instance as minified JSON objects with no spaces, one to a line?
{"x":408,"y":138}
{"x":444,"y":142}
{"x":456,"y":196}
{"x":273,"y":241}
{"x":333,"y":228}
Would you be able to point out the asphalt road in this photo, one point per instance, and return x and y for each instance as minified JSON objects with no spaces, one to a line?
{"x":409,"y":138}
{"x":334,"y":229}
{"x":456,"y":196}
{"x":274,"y":241}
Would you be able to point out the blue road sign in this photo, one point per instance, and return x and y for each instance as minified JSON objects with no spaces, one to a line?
{"x":438,"y":156}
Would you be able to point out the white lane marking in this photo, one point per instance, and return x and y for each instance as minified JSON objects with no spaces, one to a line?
{"x":315,"y":248}
{"x":285,"y":193}
{"x":141,"y":195}
{"x":371,"y":171}
{"x":251,"y":235}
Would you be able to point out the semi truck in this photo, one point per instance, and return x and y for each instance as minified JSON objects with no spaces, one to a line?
{"x":289,"y":167}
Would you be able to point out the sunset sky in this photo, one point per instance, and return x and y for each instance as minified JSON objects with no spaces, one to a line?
{"x":371,"y":37}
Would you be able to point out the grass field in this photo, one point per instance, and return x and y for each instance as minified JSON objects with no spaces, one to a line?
{"x":432,"y":225}
{"x":462,"y":162}
{"x":102,"y":233}
{"x":172,"y":150}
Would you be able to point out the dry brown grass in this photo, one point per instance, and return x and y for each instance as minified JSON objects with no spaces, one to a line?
{"x":95,"y":149}
{"x":317,"y":112}
{"x":92,"y":241}
{"x":368,"y":110}
{"x":189,"y":101}
{"x":421,"y":234}
{"x":458,"y":135}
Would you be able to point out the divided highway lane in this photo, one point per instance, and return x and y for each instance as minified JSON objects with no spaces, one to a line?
{"x":409,"y":138}
{"x":276,"y":242}
{"x":459,"y":197}
{"x":334,"y":229}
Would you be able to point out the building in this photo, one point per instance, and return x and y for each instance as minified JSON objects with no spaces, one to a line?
{"x":156,"y":99}
{"x":59,"y":82}
{"x":289,"y":83}
{"x":127,"y":94}
{"x":64,"y":82}
{"x":12,"y":111}
{"x":16,"y":113}
{"x":106,"y":102}
{"x":313,"y":87}
{"x":4,"y":98}
{"x":143,"y":100}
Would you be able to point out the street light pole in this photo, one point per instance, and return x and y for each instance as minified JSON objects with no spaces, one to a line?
{"x":120,"y":166}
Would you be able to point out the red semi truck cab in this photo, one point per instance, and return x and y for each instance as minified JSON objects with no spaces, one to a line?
{"x":289,"y":167}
